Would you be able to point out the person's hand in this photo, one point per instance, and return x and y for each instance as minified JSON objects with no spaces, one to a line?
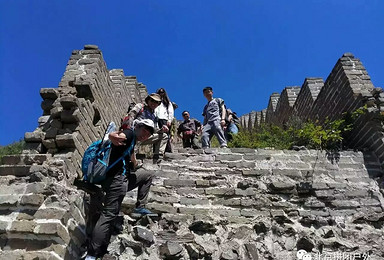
{"x":164,"y":129}
{"x":169,"y":124}
{"x":117,"y":138}
{"x":222,"y":123}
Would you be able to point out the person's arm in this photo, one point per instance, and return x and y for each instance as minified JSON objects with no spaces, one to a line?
{"x":198,"y":127}
{"x":117,"y":138}
{"x":223,"y":114}
{"x":132,"y":114}
{"x":170,"y":114}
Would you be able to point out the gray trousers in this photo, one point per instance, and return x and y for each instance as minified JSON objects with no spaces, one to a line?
{"x":159,"y":142}
{"x":210,"y":129}
{"x":104,"y":208}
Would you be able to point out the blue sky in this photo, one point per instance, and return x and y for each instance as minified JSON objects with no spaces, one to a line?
{"x":244,"y":49}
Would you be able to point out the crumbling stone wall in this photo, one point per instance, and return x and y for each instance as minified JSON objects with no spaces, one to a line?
{"x":77,"y":112}
{"x":285,"y":104}
{"x":347,"y":88}
{"x":306,"y":97}
{"x":270,"y":115}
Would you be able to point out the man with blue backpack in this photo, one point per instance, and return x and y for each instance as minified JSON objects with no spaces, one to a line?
{"x":105,"y":207}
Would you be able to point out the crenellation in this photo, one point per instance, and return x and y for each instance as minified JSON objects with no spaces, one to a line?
{"x":270,"y":114}
{"x":284,"y":106}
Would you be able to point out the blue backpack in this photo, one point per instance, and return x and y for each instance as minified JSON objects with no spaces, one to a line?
{"x":96,"y":158}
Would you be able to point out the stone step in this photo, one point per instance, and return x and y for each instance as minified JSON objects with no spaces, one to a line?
{"x":24,"y":254}
{"x":15,"y":170}
{"x":25,"y":159}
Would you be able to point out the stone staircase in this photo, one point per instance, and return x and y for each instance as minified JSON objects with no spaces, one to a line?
{"x":215,"y":204}
{"x":264,"y":204}
{"x":36,"y":217}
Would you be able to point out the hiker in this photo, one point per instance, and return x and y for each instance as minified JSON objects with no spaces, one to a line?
{"x":232,"y":121}
{"x":147,"y":111}
{"x":164,"y":113}
{"x":188,"y":131}
{"x":105,"y":206}
{"x":172,"y":131}
{"x":214,"y":120}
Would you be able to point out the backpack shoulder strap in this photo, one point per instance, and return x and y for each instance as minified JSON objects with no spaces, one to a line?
{"x":126,"y":152}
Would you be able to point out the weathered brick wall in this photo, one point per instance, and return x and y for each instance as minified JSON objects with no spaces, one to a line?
{"x":251,"y":120}
{"x":347,"y":88}
{"x":307,"y":96}
{"x":270,"y":115}
{"x":78,"y":111}
{"x":285,"y":104}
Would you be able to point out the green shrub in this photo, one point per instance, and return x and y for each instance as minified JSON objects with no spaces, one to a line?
{"x":14,"y":148}
{"x":328,"y":136}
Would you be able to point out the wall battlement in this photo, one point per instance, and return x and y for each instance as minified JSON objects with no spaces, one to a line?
{"x":347,"y":88}
{"x":77,"y":112}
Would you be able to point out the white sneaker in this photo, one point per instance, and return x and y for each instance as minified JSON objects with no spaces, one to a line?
{"x":224,"y":146}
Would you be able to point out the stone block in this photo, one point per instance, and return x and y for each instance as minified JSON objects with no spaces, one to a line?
{"x":180,"y":183}
{"x":229,"y":157}
{"x":190,"y":191}
{"x":282,"y":187}
{"x":32,"y":200}
{"x":344,"y":204}
{"x":23,"y":226}
{"x":68,"y":102}
{"x":159,"y":207}
{"x":4,"y":226}
{"x":193,"y":201}
{"x":55,"y":112}
{"x":227,"y":212}
{"x":227,"y":202}
{"x":243,"y":150}
{"x":203,"y":183}
{"x":242,"y":164}
{"x":143,"y":234}
{"x":193,"y":211}
{"x":246,"y":192}
{"x":164,"y":199}
{"x":256,"y":172}
{"x":49,"y":93}
{"x":356,"y":193}
{"x":35,"y":136}
{"x":220,"y":191}
{"x":294,"y":174}
{"x":49,"y":143}
{"x":66,"y":140}
{"x":15,"y":170}
{"x":53,"y":228}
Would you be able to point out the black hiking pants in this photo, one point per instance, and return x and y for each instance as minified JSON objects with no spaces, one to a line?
{"x":105,"y":207}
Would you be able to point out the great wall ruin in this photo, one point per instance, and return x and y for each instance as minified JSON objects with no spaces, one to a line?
{"x":227,"y":204}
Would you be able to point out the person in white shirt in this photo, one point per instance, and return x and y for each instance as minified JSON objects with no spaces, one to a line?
{"x":164,"y":114}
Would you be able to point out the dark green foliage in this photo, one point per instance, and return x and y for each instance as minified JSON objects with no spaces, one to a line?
{"x":327,"y":136}
{"x":14,"y":148}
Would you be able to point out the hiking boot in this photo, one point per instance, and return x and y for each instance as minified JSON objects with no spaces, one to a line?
{"x":157,"y":158}
{"x":142,"y":211}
